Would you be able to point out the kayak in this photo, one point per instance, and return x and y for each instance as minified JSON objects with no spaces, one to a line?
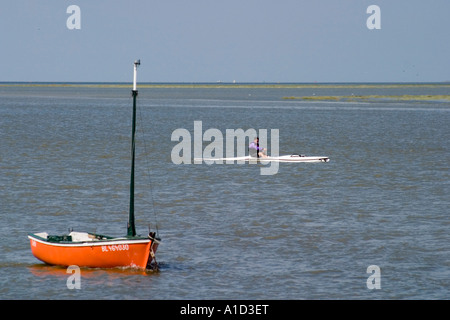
{"x":286,"y":158}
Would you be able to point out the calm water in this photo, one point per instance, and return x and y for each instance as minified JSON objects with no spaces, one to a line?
{"x":308,"y":232}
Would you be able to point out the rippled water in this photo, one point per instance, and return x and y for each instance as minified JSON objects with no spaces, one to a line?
{"x":308,"y":232}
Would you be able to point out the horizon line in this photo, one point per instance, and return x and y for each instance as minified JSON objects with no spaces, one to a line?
{"x":217,"y":84}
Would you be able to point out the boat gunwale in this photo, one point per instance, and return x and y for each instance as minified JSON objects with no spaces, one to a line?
{"x":94,"y":242}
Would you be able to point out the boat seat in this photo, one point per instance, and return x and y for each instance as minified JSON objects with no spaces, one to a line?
{"x":80,"y":236}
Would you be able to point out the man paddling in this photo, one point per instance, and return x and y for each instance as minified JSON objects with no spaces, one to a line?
{"x":254,"y":149}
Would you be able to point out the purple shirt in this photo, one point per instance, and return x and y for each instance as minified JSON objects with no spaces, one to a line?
{"x":253,"y":145}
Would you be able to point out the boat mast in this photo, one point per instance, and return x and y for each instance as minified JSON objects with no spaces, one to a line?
{"x":131,"y":232}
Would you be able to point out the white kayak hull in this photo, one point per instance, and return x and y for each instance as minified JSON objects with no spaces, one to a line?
{"x":286,"y":158}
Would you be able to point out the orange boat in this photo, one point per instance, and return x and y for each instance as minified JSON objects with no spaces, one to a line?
{"x":91,"y":250}
{"x":85,"y":249}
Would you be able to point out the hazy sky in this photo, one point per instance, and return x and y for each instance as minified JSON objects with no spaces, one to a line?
{"x":209,"y":41}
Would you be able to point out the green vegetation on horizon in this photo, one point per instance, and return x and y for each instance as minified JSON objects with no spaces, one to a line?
{"x":406,"y":97}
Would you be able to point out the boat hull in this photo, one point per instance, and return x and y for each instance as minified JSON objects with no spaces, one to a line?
{"x":294,"y":158}
{"x":110,"y":253}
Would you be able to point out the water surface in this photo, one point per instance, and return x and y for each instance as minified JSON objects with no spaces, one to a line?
{"x":308,"y":232}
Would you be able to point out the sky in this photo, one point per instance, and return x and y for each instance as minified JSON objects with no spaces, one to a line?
{"x":233,"y":40}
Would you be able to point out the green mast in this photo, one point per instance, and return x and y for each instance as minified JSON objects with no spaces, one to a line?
{"x":131,"y":232}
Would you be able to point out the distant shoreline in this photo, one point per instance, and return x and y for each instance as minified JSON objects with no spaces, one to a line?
{"x":404,"y":97}
{"x":220,"y":85}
